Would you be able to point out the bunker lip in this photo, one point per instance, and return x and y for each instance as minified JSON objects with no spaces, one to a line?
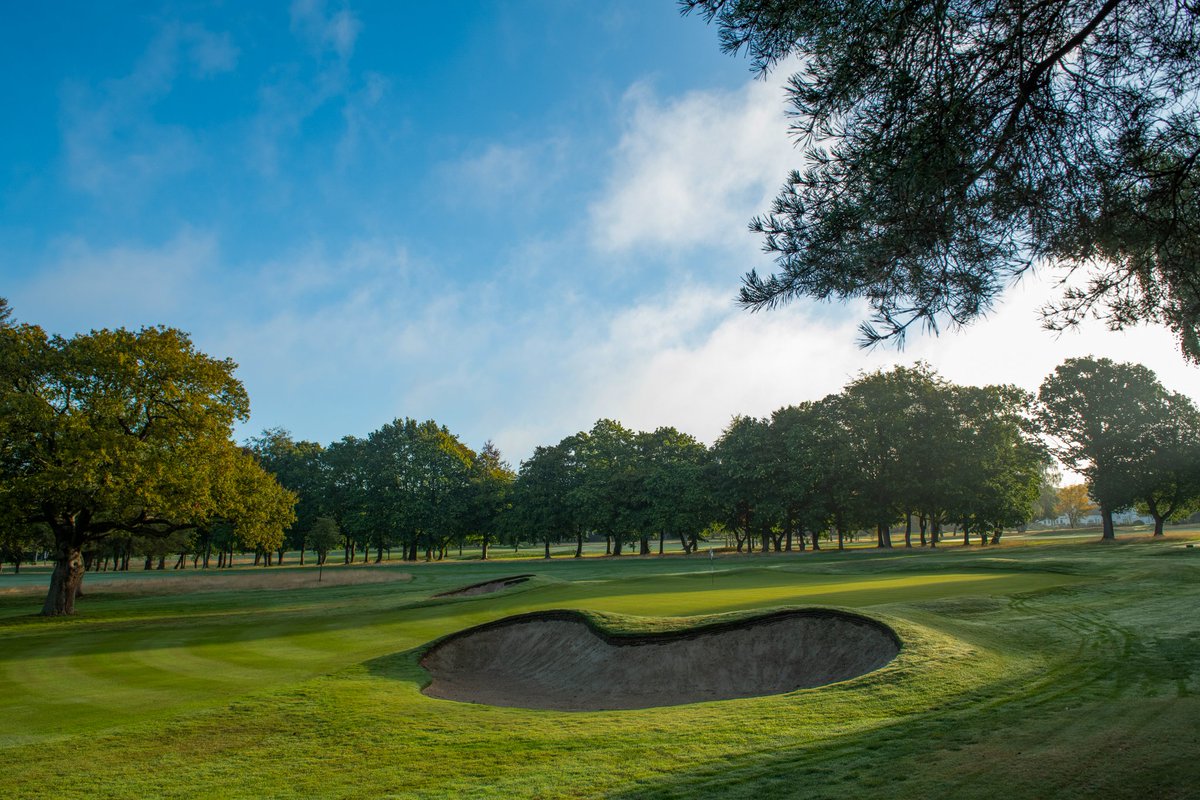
{"x":561,"y":660}
{"x":486,"y":587}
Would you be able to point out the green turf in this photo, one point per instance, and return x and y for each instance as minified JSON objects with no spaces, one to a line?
{"x":1056,"y":670}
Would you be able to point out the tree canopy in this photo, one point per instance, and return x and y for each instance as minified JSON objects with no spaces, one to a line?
{"x":952,"y":146}
{"x":123,"y":432}
{"x":1101,"y":416}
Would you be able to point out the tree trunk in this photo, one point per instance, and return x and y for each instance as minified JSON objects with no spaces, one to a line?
{"x":1158,"y":524}
{"x":579,"y":545}
{"x":546,"y":553}
{"x":908,"y":531}
{"x":1110,"y":533}
{"x":644,"y":550}
{"x":66,"y":581}
{"x":618,"y":542}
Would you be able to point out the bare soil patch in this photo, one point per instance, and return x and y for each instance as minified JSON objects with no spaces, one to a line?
{"x":487,"y":587}
{"x":560,"y":660}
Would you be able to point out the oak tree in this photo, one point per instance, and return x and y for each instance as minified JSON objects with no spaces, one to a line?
{"x":124,"y":432}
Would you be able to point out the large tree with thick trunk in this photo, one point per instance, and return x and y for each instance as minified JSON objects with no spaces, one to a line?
{"x":122,"y":432}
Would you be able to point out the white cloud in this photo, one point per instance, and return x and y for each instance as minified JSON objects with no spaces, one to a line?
{"x":336,"y":32}
{"x":690,"y":172}
{"x":693,"y":360}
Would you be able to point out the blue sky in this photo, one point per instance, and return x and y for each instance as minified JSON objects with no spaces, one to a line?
{"x":512,"y":217}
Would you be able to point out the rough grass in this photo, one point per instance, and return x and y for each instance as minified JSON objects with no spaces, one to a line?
{"x":1056,"y":670}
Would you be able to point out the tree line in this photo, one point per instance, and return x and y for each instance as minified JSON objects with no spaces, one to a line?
{"x":116,"y":447}
{"x":896,"y":453}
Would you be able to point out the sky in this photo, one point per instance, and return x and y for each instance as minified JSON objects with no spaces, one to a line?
{"x":515,"y":218}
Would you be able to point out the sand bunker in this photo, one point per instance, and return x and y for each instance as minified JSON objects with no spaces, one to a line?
{"x":486,"y":587}
{"x":559,"y":660}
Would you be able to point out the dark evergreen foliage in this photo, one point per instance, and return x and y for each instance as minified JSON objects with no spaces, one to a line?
{"x":952,"y":146}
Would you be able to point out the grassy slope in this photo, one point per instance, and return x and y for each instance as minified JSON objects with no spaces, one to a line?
{"x":1056,"y":670}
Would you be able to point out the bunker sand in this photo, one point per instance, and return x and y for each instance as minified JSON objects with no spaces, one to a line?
{"x":559,"y":660}
{"x":487,"y":587}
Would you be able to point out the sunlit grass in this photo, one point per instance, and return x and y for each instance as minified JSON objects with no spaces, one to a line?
{"x":1021,"y":667}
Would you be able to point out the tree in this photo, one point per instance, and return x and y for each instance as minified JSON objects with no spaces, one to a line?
{"x":1073,"y":501}
{"x":323,"y":537}
{"x":879,"y":412}
{"x":952,"y":146}
{"x":1099,"y":415}
{"x":409,"y":480}
{"x":1002,"y":463}
{"x":17,"y":541}
{"x":297,"y":467}
{"x":121,"y":432}
{"x":607,"y":496}
{"x":546,"y":495}
{"x":345,"y":473}
{"x":491,"y":495}
{"x":1047,"y":507}
{"x":738,"y":479}
{"x":1169,"y":480}
{"x":676,"y":503}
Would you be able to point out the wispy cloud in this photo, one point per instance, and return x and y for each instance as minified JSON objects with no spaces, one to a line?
{"x":501,"y":175}
{"x":325,"y":32}
{"x":114,"y":145}
{"x":131,"y":285}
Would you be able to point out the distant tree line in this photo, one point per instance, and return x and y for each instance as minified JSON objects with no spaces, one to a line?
{"x":899,"y":453}
{"x":116,"y":449}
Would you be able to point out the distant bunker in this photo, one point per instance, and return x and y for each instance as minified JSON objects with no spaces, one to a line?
{"x":487,"y":587}
{"x":559,"y":660}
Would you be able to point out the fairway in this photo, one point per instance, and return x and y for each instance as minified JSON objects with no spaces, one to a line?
{"x":1055,"y":670}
